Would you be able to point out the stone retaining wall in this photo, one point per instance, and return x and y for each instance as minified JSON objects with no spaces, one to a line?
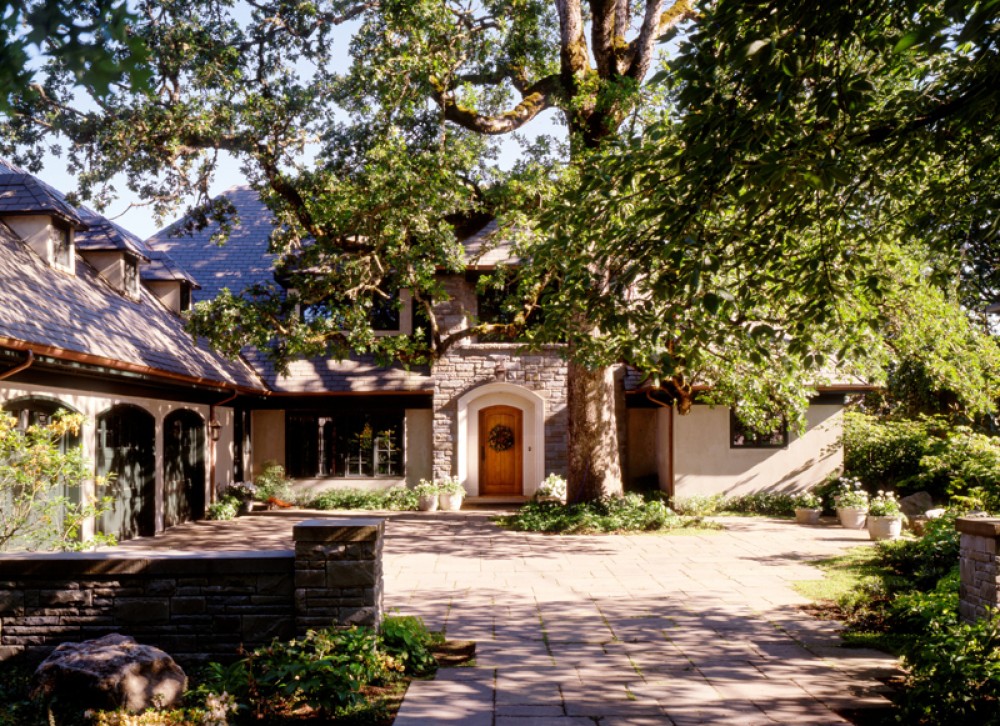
{"x":199,"y":605}
{"x":979,"y":565}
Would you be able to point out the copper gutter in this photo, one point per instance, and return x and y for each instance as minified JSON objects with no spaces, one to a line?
{"x":17,"y":369}
{"x":96,"y":360}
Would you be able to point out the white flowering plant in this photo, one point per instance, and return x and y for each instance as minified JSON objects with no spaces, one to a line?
{"x":851,"y":494}
{"x":450,"y":485}
{"x":552,"y":487}
{"x":884,"y":504}
{"x":808,"y":500}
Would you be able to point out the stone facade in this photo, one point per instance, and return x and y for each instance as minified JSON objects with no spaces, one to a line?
{"x":979,"y":567}
{"x":194,"y":606}
{"x":469,"y":365}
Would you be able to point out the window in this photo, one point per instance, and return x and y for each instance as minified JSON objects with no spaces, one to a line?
{"x":333,"y":444}
{"x":62,"y":248}
{"x":131,"y":276}
{"x":494,"y":305}
{"x":384,"y":314}
{"x":741,"y":437}
{"x":39,"y":412}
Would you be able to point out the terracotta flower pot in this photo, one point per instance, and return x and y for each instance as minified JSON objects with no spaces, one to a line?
{"x":852,"y":517}
{"x":804,"y":515}
{"x":880,"y":528}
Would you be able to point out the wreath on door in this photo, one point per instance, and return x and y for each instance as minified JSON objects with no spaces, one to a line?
{"x":501,"y":438}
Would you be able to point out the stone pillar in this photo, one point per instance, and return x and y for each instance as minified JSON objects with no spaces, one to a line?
{"x":979,"y":567}
{"x":338,"y":573}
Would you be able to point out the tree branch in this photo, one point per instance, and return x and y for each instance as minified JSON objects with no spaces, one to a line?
{"x":655,"y":25}
{"x":537,"y":97}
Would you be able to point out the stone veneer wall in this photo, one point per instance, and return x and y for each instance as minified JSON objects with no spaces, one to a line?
{"x":470,"y":365}
{"x":979,"y":567}
{"x":199,"y":605}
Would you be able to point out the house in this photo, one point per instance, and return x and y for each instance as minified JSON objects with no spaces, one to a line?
{"x":442,"y":419}
{"x":91,"y":321}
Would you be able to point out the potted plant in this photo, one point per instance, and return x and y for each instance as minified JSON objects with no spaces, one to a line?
{"x":244,"y":492}
{"x":450,"y":494}
{"x":551,"y":489}
{"x":885,"y":519}
{"x":852,"y":504}
{"x":427,"y":496}
{"x":808,"y":507}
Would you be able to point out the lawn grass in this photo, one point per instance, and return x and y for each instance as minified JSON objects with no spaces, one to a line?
{"x":843,"y":575}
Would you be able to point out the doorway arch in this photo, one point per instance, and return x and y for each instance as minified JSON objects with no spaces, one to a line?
{"x":469,"y":453}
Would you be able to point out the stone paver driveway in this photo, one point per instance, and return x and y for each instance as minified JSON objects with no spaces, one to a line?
{"x":612,"y":630}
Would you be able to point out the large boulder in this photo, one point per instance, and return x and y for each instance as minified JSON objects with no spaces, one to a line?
{"x":110,"y":673}
{"x":916,"y":504}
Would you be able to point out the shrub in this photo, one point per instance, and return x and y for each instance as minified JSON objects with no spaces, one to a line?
{"x":408,"y":641}
{"x":960,"y":463}
{"x":272,"y":483}
{"x":954,"y":674}
{"x":630,"y":513}
{"x":699,"y":506}
{"x":35,"y":478}
{"x":394,"y":499}
{"x":765,"y":503}
{"x":226,"y":508}
{"x":885,"y":454}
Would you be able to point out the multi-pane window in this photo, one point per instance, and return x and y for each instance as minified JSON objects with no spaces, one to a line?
{"x":333,"y":444}
{"x":384,"y":314}
{"x":743,"y":437}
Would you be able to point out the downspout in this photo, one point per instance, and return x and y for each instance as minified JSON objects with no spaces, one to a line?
{"x":17,"y":369}
{"x":213,"y":428}
{"x":670,"y":442}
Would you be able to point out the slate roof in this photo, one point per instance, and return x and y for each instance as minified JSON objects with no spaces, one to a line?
{"x":241,"y":262}
{"x":101,"y":233}
{"x":21,"y":193}
{"x":244,"y":260}
{"x":43,"y":306}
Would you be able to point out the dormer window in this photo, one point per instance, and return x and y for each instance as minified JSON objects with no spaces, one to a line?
{"x":62,"y":248}
{"x":131,"y":277}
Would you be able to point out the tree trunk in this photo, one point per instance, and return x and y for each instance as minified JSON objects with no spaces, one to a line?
{"x":594,"y":458}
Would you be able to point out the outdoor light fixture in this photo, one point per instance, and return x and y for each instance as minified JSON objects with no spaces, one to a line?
{"x":214,"y":429}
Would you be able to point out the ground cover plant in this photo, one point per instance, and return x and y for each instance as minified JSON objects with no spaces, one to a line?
{"x":332,"y":676}
{"x":393,"y":499}
{"x":902,"y":597}
{"x":630,"y":513}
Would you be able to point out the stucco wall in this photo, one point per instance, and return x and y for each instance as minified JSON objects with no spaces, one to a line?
{"x":705,"y":464}
{"x":267,"y":429}
{"x":93,"y":404}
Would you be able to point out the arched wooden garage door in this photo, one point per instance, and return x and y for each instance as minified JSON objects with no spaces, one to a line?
{"x":183,"y":467}
{"x":126,"y":448}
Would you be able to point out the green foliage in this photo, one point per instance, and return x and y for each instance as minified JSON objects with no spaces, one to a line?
{"x":408,"y":641}
{"x":228,"y":507}
{"x":630,"y":513}
{"x":699,"y":506}
{"x":326,"y":671}
{"x":885,"y":453}
{"x":884,"y":504}
{"x":272,"y":483}
{"x":36,"y":477}
{"x":396,"y":498}
{"x":772,"y":504}
{"x":953,"y":673}
{"x":16,"y":707}
{"x":924,"y":454}
{"x":808,"y":500}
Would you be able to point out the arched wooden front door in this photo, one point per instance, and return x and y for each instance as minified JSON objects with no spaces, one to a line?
{"x":501,"y":451}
